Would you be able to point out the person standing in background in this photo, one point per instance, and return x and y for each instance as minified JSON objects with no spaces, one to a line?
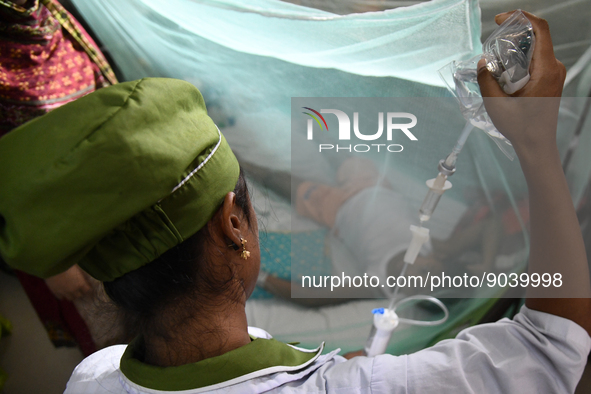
{"x":47,"y":59}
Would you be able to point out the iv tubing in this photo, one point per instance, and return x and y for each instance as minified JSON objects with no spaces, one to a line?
{"x":450,"y":160}
{"x":463,"y":137}
{"x":391,"y":307}
{"x":423,"y":322}
{"x":447,"y":168}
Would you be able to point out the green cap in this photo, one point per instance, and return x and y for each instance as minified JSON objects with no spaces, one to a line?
{"x":111,"y":181}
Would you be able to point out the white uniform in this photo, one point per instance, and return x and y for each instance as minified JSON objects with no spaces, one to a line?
{"x":533,"y":353}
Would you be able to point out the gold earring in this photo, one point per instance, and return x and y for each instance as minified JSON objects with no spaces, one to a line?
{"x":245,"y":254}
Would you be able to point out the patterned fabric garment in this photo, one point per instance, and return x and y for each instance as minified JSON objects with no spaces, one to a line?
{"x":46,"y":60}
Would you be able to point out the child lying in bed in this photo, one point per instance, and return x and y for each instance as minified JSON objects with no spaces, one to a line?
{"x":363,"y":214}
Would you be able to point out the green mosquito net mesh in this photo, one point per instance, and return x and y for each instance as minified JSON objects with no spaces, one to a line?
{"x":254,"y":62}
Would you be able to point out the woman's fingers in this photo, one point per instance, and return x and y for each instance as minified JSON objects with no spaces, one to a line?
{"x":502,"y":17}
{"x":489,"y":87}
{"x":543,"y":50}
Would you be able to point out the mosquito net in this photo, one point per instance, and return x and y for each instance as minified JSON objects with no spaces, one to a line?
{"x":259,"y":63}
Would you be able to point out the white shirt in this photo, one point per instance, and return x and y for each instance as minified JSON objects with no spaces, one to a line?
{"x":533,"y":353}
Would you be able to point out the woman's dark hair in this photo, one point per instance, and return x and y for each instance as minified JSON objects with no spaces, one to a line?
{"x":167,"y":291}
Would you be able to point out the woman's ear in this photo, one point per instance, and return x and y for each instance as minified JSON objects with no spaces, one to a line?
{"x":232,"y":219}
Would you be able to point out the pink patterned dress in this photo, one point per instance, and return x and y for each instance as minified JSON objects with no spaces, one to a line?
{"x":46,"y":60}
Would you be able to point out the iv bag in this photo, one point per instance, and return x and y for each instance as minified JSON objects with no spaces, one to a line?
{"x":507,"y":52}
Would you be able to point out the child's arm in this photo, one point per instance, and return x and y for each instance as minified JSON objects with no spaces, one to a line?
{"x":529,"y":120}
